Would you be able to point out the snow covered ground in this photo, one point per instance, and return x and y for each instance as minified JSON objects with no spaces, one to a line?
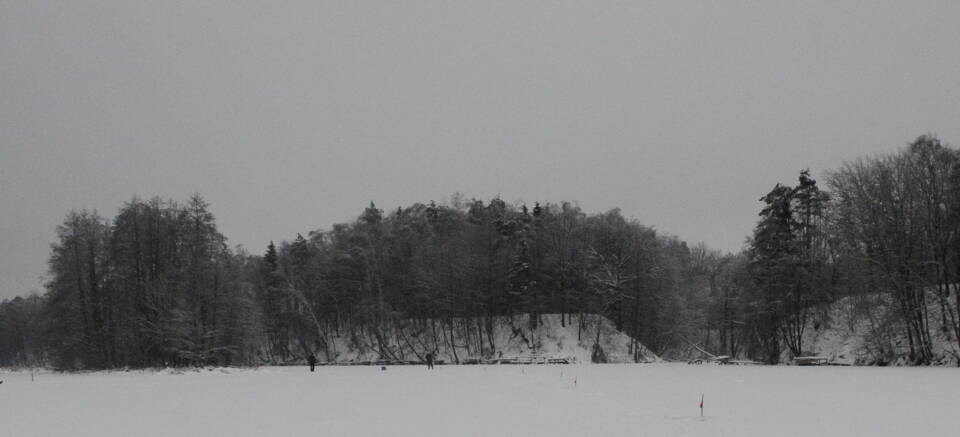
{"x":612,"y":399}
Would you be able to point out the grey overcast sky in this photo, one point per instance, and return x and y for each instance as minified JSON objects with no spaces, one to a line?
{"x":292,"y":116}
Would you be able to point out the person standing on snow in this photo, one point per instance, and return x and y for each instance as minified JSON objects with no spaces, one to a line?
{"x":312,"y":361}
{"x":430,"y":360}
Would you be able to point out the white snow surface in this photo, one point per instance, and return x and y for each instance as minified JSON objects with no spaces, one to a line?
{"x":500,"y":400}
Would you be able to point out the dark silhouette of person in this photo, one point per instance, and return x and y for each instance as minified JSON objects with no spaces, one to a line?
{"x":312,"y":361}
{"x":430,"y":360}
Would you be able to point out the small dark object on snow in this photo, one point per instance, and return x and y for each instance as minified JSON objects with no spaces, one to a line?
{"x":430,"y":360}
{"x":383,"y":367}
{"x":312,"y":361}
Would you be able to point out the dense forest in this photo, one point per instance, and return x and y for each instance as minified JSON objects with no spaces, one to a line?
{"x":158,"y":285}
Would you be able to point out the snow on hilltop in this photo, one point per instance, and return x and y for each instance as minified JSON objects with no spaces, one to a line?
{"x":468,"y":340}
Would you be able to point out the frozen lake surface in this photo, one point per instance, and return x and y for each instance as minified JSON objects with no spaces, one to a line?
{"x":614,"y":400}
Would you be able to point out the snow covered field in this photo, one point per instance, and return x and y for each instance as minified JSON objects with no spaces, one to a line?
{"x":614,"y":399}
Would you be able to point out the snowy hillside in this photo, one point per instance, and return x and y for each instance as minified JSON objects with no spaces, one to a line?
{"x":858,"y":330}
{"x":462,"y":340}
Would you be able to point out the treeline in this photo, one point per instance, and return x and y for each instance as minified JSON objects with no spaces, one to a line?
{"x":886,"y":235}
{"x":475,"y":259}
{"x":157,"y":285}
{"x":896,"y":225}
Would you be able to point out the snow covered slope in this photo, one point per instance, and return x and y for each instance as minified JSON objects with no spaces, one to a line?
{"x":861,"y":330}
{"x":469,"y":339}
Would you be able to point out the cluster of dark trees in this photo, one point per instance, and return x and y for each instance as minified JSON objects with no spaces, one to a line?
{"x":478,"y":260}
{"x":158,"y":286}
{"x":886,"y":234}
{"x":896,"y":219}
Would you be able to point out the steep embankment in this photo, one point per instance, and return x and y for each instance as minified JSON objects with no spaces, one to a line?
{"x":864,"y":330}
{"x":469,"y":339}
